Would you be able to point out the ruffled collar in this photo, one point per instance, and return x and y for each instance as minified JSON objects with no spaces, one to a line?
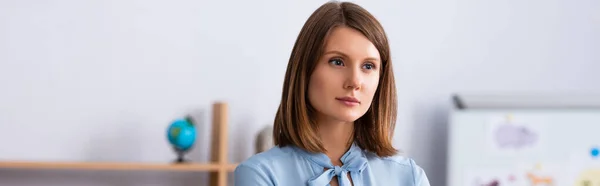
{"x":354,"y":162}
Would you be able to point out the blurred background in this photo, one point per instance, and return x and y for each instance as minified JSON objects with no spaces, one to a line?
{"x":102,"y":80}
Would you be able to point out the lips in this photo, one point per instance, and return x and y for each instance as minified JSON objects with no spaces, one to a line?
{"x":349,"y":100}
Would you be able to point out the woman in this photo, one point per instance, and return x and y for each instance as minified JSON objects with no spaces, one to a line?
{"x":338,"y":109}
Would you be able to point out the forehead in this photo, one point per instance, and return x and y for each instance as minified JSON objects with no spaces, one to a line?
{"x":350,"y":42}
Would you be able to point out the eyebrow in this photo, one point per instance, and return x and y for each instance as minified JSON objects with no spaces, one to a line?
{"x":346,"y":56}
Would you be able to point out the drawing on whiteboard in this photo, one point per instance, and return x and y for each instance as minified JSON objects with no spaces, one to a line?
{"x":489,"y":183}
{"x":507,"y":179}
{"x":590,"y":177}
{"x":492,"y":178}
{"x":508,"y":134}
{"x":540,"y":180}
{"x":595,"y":152}
{"x":585,"y":167}
{"x":543,"y":175}
{"x":514,"y":136}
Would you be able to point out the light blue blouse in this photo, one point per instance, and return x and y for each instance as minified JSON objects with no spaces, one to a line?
{"x":290,"y":166}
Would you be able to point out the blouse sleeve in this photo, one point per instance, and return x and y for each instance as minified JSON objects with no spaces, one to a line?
{"x":248,"y":176}
{"x":419,"y":175}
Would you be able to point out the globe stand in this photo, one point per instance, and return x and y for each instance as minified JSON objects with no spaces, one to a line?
{"x":181,"y":156}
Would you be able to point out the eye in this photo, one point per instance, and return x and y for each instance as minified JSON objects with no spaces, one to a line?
{"x":369,"y":66}
{"x":336,"y":61}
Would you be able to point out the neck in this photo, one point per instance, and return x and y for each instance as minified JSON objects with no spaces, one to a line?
{"x":337,"y":137}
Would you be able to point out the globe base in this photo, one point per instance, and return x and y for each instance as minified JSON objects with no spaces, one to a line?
{"x":181,"y":160}
{"x":181,"y":156}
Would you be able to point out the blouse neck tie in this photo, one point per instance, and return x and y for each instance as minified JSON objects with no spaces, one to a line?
{"x":353,"y":162}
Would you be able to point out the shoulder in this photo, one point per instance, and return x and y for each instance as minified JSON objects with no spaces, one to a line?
{"x":398,"y":166}
{"x":258,"y":169}
{"x":267,"y":158}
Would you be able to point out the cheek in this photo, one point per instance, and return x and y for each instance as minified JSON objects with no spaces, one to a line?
{"x":370,"y":85}
{"x":316,"y":86}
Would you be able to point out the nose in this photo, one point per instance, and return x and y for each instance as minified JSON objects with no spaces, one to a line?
{"x":353,"y":79}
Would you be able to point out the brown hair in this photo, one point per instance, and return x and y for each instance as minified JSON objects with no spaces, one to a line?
{"x":294,"y":121}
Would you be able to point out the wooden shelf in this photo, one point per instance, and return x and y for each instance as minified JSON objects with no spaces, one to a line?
{"x":218,"y":167}
{"x":209,"y":167}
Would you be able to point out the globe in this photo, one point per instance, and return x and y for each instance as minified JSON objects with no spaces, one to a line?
{"x":181,"y":135}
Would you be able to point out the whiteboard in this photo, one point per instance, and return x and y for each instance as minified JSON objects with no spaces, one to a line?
{"x":524,"y":146}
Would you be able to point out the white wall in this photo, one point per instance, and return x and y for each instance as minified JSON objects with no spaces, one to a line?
{"x":101,"y":80}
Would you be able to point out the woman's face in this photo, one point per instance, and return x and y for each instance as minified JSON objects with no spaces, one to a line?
{"x":345,"y":78}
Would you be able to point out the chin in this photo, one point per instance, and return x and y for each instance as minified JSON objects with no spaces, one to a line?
{"x":348,"y":116}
